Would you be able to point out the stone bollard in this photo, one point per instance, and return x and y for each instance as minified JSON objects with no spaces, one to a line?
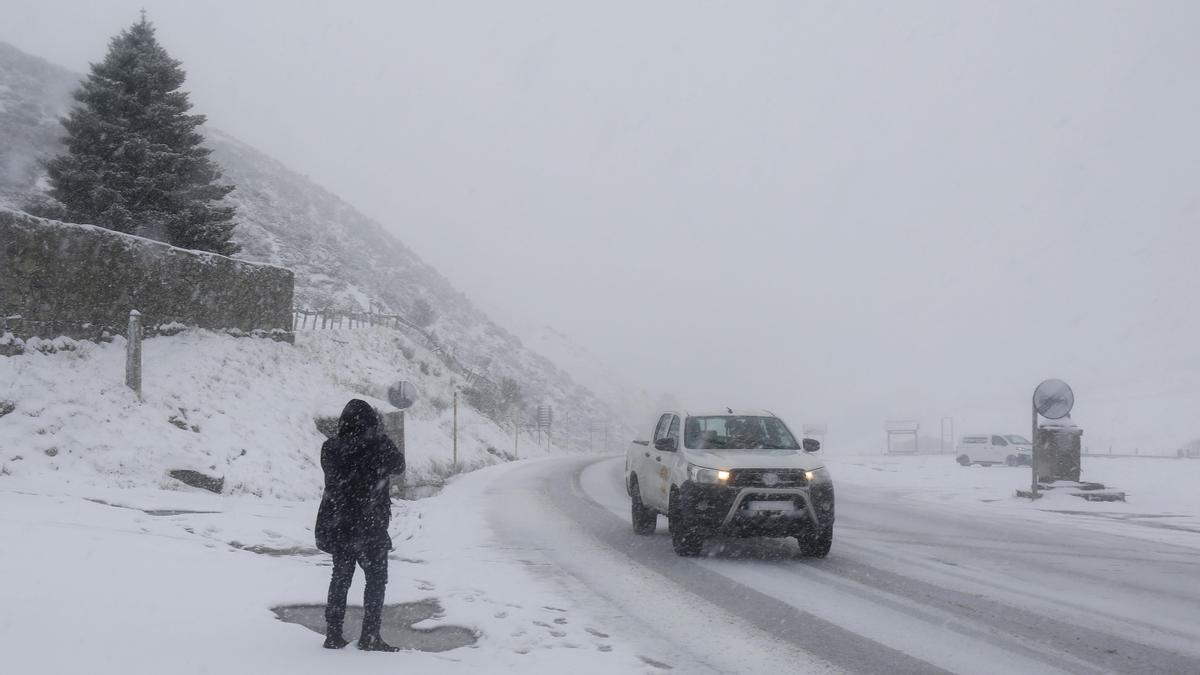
{"x":133,"y":353}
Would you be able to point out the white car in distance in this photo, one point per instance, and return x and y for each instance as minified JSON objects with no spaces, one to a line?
{"x":989,"y":449}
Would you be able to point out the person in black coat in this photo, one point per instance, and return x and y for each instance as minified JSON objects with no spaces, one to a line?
{"x":352,"y":521}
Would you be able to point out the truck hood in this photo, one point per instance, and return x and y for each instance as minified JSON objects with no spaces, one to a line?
{"x":752,"y":459}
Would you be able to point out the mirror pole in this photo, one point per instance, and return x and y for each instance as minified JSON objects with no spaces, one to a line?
{"x":1033,"y":453}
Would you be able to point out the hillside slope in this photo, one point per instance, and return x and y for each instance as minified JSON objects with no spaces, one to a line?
{"x":342,"y":259}
{"x":241,"y":409}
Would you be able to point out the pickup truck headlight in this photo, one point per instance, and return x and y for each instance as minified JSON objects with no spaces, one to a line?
{"x":819,"y":475}
{"x":699,"y":474}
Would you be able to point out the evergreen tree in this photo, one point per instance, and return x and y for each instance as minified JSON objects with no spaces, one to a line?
{"x":135,"y":160}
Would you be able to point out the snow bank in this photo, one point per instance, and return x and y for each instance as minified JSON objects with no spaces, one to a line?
{"x":1160,"y":493}
{"x":243,"y":409}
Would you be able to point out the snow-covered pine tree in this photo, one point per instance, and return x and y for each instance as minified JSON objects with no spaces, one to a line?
{"x":135,"y":161}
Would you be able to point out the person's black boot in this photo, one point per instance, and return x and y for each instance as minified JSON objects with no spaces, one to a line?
{"x":334,"y":639}
{"x":375,"y":644}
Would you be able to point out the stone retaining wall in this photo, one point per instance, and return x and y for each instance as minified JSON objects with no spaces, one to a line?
{"x":81,"y":281}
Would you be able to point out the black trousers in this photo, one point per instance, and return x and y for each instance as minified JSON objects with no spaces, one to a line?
{"x":374,"y":565}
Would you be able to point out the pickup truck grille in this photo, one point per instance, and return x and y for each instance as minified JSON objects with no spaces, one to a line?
{"x":783,"y":478}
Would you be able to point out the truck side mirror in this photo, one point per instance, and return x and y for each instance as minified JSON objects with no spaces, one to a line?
{"x":666,"y":444}
{"x":811,"y":444}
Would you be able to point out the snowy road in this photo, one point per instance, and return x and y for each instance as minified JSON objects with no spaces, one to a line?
{"x":911,"y":585}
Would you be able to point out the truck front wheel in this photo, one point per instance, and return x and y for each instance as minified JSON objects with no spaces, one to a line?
{"x":685,"y":539}
{"x":816,"y":544}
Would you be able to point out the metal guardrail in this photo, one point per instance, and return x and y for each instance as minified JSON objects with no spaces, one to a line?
{"x":328,"y":319}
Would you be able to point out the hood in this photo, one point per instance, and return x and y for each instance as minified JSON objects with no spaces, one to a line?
{"x":752,"y":459}
{"x":358,"y":417}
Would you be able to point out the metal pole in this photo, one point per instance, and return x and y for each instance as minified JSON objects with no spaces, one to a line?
{"x":455,"y":429}
{"x":516,"y":438}
{"x":1033,"y":453}
{"x":133,"y":353}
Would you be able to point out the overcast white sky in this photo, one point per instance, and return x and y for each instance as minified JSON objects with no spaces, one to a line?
{"x":844,"y":211}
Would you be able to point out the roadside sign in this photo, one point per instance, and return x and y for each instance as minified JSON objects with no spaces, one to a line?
{"x":1053,"y":399}
{"x":402,"y":394}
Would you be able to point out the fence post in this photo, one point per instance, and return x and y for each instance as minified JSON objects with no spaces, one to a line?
{"x":133,"y":353}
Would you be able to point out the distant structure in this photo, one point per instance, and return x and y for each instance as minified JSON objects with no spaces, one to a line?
{"x":898,"y":432}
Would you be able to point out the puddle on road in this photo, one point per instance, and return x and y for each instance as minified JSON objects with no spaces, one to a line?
{"x":397,"y":628}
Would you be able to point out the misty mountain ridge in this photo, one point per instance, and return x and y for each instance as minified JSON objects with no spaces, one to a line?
{"x":343,"y":260}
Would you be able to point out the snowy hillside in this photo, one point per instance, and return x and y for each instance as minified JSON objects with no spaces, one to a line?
{"x":33,"y":93}
{"x":342,"y":259}
{"x":237,"y":408}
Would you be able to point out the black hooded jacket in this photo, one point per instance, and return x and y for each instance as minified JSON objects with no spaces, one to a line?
{"x":356,"y":508}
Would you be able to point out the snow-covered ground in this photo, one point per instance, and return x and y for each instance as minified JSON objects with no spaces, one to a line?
{"x":239,"y":408}
{"x":1161,"y":499}
{"x":134,"y":581}
{"x":934,"y":566}
{"x":101,"y":548}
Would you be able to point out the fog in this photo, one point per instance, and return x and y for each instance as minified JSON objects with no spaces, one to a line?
{"x":845,"y":213}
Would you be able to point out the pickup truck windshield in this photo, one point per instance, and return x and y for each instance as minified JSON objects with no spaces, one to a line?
{"x":1017,"y":440}
{"x":738,"y":432}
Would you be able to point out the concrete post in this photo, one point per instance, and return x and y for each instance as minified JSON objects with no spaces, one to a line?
{"x":133,"y":353}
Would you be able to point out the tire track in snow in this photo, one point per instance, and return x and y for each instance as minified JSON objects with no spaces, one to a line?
{"x":954,"y":629}
{"x":678,"y":599}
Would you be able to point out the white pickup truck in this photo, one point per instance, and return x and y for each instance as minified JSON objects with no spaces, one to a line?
{"x":731,"y":473}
